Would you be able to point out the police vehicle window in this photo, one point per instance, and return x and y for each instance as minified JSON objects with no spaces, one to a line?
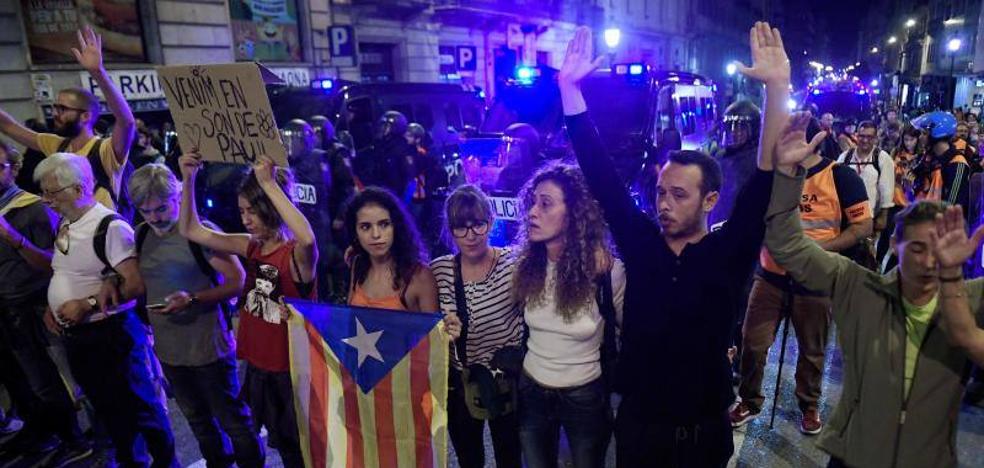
{"x":452,"y":115}
{"x":424,"y":115}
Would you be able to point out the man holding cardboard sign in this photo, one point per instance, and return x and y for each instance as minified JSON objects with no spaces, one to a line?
{"x":75,"y":112}
{"x":223,"y":110}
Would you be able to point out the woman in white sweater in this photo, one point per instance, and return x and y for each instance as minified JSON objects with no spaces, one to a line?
{"x":564,"y":258}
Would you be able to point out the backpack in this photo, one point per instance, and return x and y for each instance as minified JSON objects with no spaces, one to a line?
{"x":206,"y":268}
{"x":873,"y":162}
{"x":99,"y":247}
{"x":124,"y":207}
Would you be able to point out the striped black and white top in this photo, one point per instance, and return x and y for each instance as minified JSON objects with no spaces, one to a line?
{"x":494,"y":321}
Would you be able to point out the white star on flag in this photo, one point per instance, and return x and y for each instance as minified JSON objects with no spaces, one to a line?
{"x":364,"y":343}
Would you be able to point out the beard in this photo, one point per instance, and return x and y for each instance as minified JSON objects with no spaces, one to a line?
{"x":69,"y":129}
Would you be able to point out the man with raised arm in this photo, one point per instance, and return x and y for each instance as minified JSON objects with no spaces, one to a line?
{"x":682,"y":295}
{"x":75,"y":112}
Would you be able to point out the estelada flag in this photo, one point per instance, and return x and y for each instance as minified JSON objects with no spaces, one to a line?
{"x":370,"y":386}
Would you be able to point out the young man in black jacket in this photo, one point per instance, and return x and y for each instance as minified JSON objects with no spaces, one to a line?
{"x":682,"y":296}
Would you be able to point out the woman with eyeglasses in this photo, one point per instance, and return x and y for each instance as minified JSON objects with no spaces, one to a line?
{"x":479,"y":279}
{"x":565,"y":259}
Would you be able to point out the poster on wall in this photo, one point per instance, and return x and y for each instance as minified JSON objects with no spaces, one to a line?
{"x":51,"y":25}
{"x":265,"y":30}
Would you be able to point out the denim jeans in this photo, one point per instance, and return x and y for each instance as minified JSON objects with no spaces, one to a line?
{"x":583,"y":411}
{"x":209,"y":399}
{"x":109,"y":360}
{"x":50,"y":409}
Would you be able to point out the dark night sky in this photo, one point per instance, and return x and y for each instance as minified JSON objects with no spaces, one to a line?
{"x":843,"y":18}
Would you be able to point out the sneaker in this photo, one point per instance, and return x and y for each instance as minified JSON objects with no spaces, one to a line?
{"x":811,"y":425}
{"x":741,"y":414}
{"x":68,"y":454}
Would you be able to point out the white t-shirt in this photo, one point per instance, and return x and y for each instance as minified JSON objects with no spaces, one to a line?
{"x":78,"y":272}
{"x":880,"y":185}
{"x":567,"y":354}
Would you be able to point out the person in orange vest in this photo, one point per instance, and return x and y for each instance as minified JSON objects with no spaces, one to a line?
{"x":944,"y":172}
{"x":905,"y":156}
{"x":963,"y":144}
{"x":834,"y":212}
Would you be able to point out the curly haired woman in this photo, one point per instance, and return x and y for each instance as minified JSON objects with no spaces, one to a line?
{"x":563,"y":253}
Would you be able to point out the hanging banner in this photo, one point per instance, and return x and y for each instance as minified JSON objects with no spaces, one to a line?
{"x":51,"y":25}
{"x":224,"y":111}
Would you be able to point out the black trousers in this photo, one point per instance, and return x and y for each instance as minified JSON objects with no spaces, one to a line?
{"x":48,"y":408}
{"x":271,"y":398}
{"x":644,"y":441}
{"x":467,"y":433}
{"x":109,"y":360}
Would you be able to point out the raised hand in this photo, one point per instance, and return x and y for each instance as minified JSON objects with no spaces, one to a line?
{"x":949,"y":242}
{"x":89,"y":53}
{"x":263,"y":168}
{"x":792,"y":147}
{"x":579,"y":60}
{"x":769,"y":61}
{"x":190,"y":163}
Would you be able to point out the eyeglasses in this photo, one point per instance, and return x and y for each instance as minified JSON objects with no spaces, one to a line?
{"x":51,"y":194}
{"x":62,"y":240}
{"x":479,"y":228}
{"x":59,"y":109}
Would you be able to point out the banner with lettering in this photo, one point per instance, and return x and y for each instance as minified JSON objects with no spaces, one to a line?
{"x":51,"y":25}
{"x":224,"y":111}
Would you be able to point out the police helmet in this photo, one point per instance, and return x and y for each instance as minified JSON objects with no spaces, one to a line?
{"x":416,"y":130}
{"x":391,"y":123}
{"x":740,"y":124}
{"x":298,"y":138}
{"x":938,"y":125}
{"x":529,"y":138}
{"x":323,"y":128}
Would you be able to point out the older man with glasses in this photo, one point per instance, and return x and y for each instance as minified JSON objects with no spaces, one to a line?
{"x":106,"y":343}
{"x":27,"y":232}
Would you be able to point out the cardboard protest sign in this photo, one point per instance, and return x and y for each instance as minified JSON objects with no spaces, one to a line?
{"x":223,"y":110}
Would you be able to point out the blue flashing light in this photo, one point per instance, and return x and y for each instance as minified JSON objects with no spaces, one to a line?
{"x":209,"y":203}
{"x":816,"y":92}
{"x":862,"y":92}
{"x":621,"y":69}
{"x":481,"y":94}
{"x":524,"y":73}
{"x":325,"y":84}
{"x":635,"y":69}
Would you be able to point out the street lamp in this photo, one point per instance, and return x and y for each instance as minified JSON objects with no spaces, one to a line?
{"x":874,"y":50}
{"x":731,"y":69}
{"x":892,"y":40}
{"x":910,"y":22}
{"x":953,"y":46}
{"x":612,"y":37}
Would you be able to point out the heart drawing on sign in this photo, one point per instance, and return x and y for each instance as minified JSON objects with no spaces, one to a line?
{"x":194,"y":134}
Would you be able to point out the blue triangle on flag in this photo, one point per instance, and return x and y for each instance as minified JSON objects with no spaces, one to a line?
{"x":385,"y":338}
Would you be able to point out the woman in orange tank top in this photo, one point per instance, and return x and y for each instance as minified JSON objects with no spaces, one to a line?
{"x":389,"y":269}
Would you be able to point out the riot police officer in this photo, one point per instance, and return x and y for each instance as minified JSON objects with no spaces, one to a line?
{"x":312,"y":184}
{"x":524,"y":157}
{"x":739,"y":140}
{"x":385,"y":163}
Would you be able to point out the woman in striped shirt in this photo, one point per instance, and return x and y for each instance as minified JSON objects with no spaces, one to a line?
{"x":492,"y":323}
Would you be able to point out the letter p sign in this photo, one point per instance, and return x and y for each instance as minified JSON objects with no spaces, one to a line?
{"x":467,"y":60}
{"x":342,"y":41}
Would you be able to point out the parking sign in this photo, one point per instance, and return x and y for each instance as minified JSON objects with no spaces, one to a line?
{"x":467,"y":58}
{"x":342,"y":43}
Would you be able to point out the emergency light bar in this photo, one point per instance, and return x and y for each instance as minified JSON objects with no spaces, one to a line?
{"x":526,"y":75}
{"x":325,"y":84}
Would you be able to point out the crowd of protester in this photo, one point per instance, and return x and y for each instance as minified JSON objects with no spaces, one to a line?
{"x":116,"y":293}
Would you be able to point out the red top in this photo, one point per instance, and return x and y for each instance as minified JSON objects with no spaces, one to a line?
{"x":262,"y":339}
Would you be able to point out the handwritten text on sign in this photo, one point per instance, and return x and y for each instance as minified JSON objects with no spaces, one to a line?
{"x":223,"y":110}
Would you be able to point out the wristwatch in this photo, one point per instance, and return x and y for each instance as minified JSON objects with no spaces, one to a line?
{"x":93,"y":303}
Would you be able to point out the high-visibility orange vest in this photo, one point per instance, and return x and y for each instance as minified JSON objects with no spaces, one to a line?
{"x":821,"y":214}
{"x":903,"y":184}
{"x":933,"y":190}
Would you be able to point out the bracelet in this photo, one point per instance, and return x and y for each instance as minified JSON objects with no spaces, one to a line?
{"x":952,"y":279}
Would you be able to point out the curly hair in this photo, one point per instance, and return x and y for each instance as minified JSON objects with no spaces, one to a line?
{"x":408,"y":252}
{"x":585,"y":235}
